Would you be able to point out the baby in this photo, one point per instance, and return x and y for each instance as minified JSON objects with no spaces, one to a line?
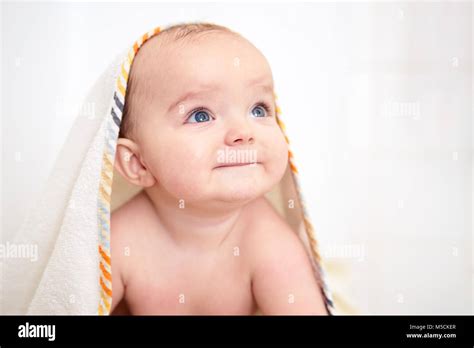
{"x":201,"y":238}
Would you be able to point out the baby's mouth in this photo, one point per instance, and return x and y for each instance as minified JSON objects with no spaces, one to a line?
{"x":240,"y":164}
{"x":237,"y":158}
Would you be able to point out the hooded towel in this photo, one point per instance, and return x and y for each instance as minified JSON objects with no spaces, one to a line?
{"x":70,"y":225}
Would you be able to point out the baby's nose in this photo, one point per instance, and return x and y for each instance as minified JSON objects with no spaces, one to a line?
{"x":240,"y":134}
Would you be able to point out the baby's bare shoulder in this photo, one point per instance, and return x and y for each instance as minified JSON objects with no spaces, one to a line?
{"x":269,"y":234}
{"x":129,"y":215}
{"x":281,"y":267}
{"x":129,"y":225}
{"x":125,"y":222}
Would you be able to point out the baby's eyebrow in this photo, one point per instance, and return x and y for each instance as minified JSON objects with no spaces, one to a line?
{"x":265,"y":85}
{"x":261,"y":81}
{"x":205,"y":89}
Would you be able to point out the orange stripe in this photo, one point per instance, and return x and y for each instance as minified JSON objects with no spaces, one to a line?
{"x":101,"y":311}
{"x":144,"y":38}
{"x":293,"y":168}
{"x":104,"y":255}
{"x":106,"y":273}
{"x":156,"y":31}
{"x":135,"y":48}
{"x":105,"y":288}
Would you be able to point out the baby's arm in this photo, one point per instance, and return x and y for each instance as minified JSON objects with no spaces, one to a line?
{"x":283,"y":281}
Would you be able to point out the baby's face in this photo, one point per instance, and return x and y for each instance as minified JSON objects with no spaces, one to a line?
{"x":213,"y":112}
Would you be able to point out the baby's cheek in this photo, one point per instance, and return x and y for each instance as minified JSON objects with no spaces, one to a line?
{"x":279,"y":155}
{"x":181,"y":170}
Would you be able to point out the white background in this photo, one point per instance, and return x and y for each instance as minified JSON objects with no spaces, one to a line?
{"x":377,"y":99}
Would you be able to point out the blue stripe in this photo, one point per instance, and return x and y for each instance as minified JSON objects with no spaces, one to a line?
{"x":118,"y":102}
{"x":115,"y":118}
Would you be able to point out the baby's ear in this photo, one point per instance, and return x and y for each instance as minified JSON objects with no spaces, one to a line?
{"x":129,"y":164}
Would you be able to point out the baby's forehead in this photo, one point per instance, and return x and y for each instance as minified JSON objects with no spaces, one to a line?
{"x":165,"y":69}
{"x":202,"y":55}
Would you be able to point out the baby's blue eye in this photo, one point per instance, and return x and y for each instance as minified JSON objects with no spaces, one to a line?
{"x":198,"y":117}
{"x":259,"y":111}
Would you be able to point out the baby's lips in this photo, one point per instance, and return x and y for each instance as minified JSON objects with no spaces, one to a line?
{"x":237,"y":164}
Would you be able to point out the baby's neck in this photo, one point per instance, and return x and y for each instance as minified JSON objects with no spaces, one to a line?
{"x":196,"y":228}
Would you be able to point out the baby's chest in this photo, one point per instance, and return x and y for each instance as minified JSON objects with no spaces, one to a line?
{"x":224,"y":288}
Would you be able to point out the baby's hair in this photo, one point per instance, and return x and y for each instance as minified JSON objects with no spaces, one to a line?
{"x":179,"y":32}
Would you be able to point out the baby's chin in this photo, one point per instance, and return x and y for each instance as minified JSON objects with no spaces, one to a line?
{"x":239,"y":194}
{"x":235,"y":185}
